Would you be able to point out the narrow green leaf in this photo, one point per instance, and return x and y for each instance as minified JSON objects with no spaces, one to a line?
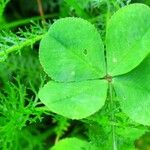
{"x":74,"y":100}
{"x":133,"y":92}
{"x":72,"y":50}
{"x":128,"y":38}
{"x":71,"y":144}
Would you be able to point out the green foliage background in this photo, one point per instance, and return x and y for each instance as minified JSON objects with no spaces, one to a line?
{"x":25,"y":123}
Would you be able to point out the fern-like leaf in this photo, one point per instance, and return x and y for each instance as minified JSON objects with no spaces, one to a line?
{"x":10,"y":42}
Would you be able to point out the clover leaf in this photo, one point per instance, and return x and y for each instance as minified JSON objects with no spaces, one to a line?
{"x":133,"y":91}
{"x":74,"y":100}
{"x":127,"y":38}
{"x":72,"y":50}
{"x":72,"y":54}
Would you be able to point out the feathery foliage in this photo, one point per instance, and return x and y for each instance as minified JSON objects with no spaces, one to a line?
{"x":70,"y":113}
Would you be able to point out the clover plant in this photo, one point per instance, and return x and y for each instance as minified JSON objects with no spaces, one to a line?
{"x":85,"y":71}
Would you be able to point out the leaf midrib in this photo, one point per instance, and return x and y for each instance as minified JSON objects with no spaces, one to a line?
{"x":136,"y":86}
{"x":72,"y":95}
{"x":78,"y":57}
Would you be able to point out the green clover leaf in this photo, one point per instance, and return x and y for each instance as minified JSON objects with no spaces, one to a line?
{"x":74,"y":100}
{"x":72,"y":54}
{"x":133,"y":91}
{"x":72,"y":50}
{"x":127,"y":38}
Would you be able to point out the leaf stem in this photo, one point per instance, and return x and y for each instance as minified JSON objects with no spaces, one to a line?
{"x":114,"y":141}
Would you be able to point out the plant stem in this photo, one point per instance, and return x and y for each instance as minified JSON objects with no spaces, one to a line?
{"x":42,"y":108}
{"x":56,"y":139}
{"x":26,"y":21}
{"x":27,"y":42}
{"x":41,"y":12}
{"x":114,"y":141}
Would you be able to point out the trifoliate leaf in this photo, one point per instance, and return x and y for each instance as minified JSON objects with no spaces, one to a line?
{"x":72,"y":50}
{"x":74,"y":100}
{"x":128,"y":38}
